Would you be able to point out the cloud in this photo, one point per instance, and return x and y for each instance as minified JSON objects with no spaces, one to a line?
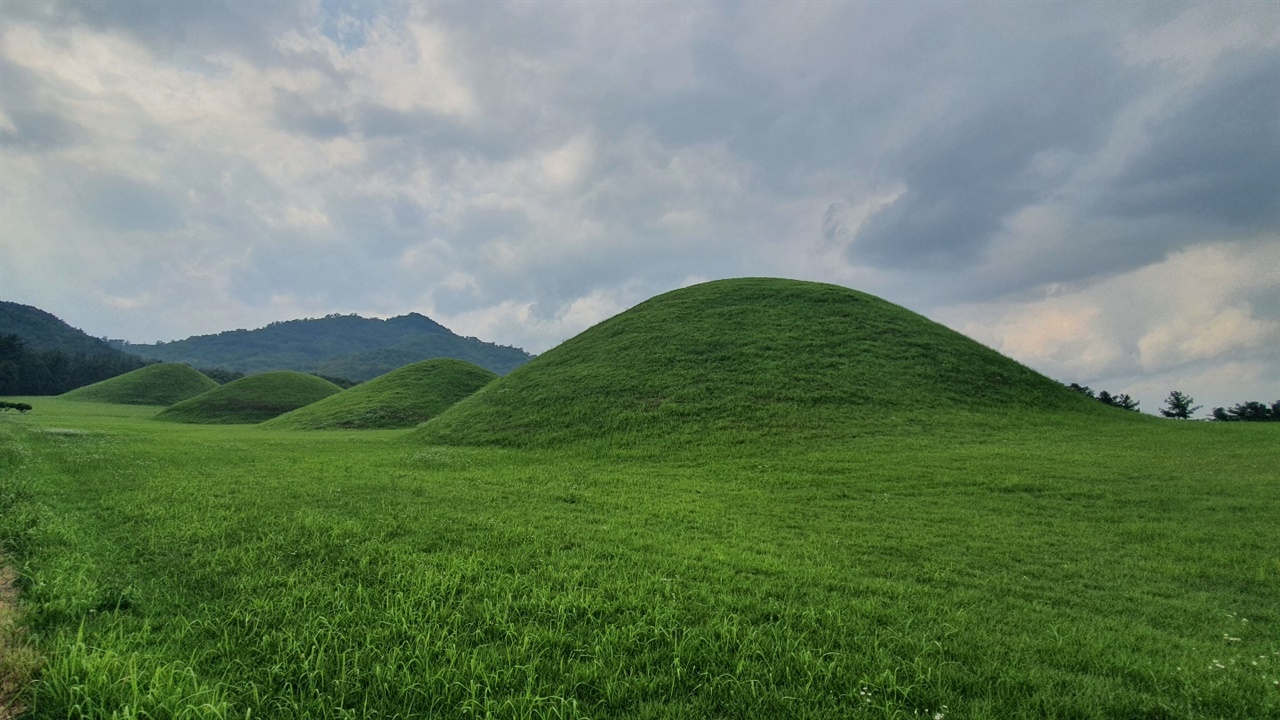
{"x":1195,"y":311}
{"x":1011,"y":147}
{"x":520,"y":170}
{"x":1212,"y":158}
{"x":122,"y":204}
{"x":1202,"y":335}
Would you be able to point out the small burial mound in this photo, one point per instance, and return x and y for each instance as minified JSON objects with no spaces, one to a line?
{"x":401,"y":398}
{"x":252,"y":399}
{"x":749,"y":357}
{"x":161,"y":384}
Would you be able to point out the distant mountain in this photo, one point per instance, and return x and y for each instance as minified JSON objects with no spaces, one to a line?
{"x":347,"y":346}
{"x":41,"y":331}
{"x":42,"y":355}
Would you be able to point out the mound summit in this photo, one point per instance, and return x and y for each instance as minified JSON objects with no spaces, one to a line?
{"x":160,"y":384}
{"x":401,"y":398}
{"x":748,"y":356}
{"x":252,"y":399}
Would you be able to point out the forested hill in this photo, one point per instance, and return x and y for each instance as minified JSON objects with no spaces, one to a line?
{"x":346,"y":346}
{"x":42,"y":331}
{"x":42,"y":355}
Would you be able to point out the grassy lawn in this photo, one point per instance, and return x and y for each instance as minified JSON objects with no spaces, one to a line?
{"x":1063,"y":567}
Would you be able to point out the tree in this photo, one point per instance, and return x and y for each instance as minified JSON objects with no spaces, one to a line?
{"x":222,"y":376}
{"x":1082,"y":389}
{"x":1252,"y":411}
{"x":1179,"y":406}
{"x":1121,"y":401}
{"x":1124,"y":401}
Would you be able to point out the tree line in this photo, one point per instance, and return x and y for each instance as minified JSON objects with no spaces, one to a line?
{"x":24,"y":371}
{"x":1122,"y":401}
{"x":1181,"y":406}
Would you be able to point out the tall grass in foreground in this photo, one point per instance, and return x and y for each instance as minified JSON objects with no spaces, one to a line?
{"x":1063,"y":569}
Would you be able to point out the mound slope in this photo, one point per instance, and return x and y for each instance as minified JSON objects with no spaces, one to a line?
{"x":401,"y":398}
{"x":252,"y":399}
{"x":160,"y":384}
{"x":748,"y":356}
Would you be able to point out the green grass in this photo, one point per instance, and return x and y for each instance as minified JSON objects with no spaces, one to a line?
{"x":1074,"y":568}
{"x":399,"y":399}
{"x":160,"y":384}
{"x":252,"y":399}
{"x":750,"y":357}
{"x":734,"y":501}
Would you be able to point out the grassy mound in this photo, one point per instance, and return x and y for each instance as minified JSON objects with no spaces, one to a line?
{"x":253,"y":399}
{"x":162,"y":384}
{"x":401,"y":398}
{"x":750,"y":356}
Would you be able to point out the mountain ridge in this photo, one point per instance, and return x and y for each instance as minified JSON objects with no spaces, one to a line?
{"x":349,"y":346}
{"x":41,"y":330}
{"x":41,"y":354}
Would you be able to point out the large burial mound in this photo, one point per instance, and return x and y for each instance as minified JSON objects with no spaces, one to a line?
{"x":750,"y":357}
{"x":162,"y":384}
{"x":253,"y":399}
{"x":401,"y":398}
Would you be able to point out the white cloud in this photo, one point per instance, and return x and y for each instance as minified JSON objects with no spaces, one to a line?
{"x":1189,"y":315}
{"x":536,"y":331}
{"x":565,"y":167}
{"x":1205,"y":334}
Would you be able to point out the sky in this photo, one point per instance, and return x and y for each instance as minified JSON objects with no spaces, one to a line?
{"x":1090,"y":188}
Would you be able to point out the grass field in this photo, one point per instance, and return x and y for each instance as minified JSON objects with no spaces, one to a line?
{"x":751,"y":498}
{"x":1053,"y":565}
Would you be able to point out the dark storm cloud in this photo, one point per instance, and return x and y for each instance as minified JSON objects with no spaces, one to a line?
{"x":1214,"y":159}
{"x":966,"y":174}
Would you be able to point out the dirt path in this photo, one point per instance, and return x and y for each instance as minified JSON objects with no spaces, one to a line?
{"x":17,"y":661}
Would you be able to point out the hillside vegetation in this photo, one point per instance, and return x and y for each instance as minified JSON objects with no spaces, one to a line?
{"x":252,"y":399}
{"x":347,"y":346}
{"x":750,"y":357}
{"x":42,"y":355}
{"x":159,"y":384}
{"x":42,"y":331}
{"x":402,"y":398}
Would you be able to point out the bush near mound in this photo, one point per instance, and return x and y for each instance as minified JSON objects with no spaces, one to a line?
{"x":401,"y":398}
{"x":160,"y":384}
{"x":252,"y":399}
{"x":749,"y":356}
